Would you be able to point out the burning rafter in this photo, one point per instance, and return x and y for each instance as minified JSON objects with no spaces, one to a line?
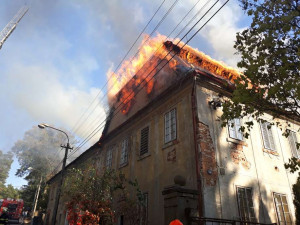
{"x":138,"y":72}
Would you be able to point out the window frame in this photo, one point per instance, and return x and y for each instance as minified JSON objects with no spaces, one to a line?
{"x":109,"y":157}
{"x":293,"y":144}
{"x":170,"y":126}
{"x":237,"y":132}
{"x":124,"y":154}
{"x":249,"y":218}
{"x":284,"y":213}
{"x":269,"y":133}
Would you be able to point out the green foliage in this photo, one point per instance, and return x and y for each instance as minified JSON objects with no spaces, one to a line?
{"x":270,"y":59}
{"x":94,"y":197}
{"x":9,"y":192}
{"x":27,"y":193}
{"x":296,"y":191}
{"x":293,"y":165}
{"x":38,"y":153}
{"x":6,"y":160}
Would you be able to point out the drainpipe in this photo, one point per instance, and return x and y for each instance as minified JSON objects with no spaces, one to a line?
{"x":199,"y":180}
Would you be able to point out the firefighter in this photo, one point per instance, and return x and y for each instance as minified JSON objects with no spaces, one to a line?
{"x":4,"y":217}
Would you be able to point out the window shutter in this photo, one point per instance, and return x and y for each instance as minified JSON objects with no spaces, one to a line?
{"x":109,"y":157}
{"x":264,"y":131}
{"x":237,"y":128}
{"x":170,"y":126}
{"x":144,"y":140}
{"x":124,"y":151}
{"x":293,"y":140}
{"x":271,"y":139}
{"x":231,"y":129}
{"x":173,"y":124}
{"x":167,"y":127}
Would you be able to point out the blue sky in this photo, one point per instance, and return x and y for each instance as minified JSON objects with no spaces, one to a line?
{"x":55,"y":62}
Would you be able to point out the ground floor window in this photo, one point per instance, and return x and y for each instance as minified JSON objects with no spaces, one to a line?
{"x":282,"y":209}
{"x":245,"y":204}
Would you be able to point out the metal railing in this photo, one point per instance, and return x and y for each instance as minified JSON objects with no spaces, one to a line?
{"x":215,"y":221}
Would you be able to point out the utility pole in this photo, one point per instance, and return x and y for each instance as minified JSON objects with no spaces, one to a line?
{"x":57,"y":197}
{"x":36,"y":197}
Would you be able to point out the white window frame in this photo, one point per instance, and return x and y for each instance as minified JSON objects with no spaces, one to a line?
{"x":109,"y":155}
{"x":281,"y":206}
{"x":293,"y":140}
{"x":267,"y":136}
{"x":234,"y":129}
{"x":170,"y":125}
{"x":124,"y":151}
{"x":248,"y":207}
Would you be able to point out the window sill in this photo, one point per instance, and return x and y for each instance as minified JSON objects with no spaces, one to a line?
{"x":144,"y":156}
{"x":236,"y":141}
{"x":123,"y":165}
{"x":269,"y":151}
{"x":170,"y":143}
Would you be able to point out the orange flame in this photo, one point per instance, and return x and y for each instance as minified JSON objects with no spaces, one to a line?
{"x":138,"y":71}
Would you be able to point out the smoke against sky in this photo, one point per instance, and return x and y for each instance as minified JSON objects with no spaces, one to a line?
{"x":55,"y":62}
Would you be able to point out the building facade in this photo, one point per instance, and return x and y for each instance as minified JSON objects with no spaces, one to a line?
{"x":176,"y":133}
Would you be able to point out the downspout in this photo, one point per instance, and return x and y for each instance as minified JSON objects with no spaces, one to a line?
{"x":199,"y":180}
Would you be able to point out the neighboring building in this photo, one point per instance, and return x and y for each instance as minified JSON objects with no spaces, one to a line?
{"x":174,"y":131}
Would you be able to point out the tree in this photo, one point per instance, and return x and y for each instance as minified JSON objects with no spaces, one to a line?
{"x":38,"y":154}
{"x":9,"y":192}
{"x":6,"y":160}
{"x":270,"y":59}
{"x":94,"y":197}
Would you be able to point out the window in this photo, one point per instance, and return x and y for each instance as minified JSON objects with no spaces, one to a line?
{"x":109,"y":157}
{"x":293,"y":144}
{"x":170,"y":126}
{"x":124,"y":152}
{"x":245,"y":203}
{"x":234,"y":129}
{"x":144,"y":140}
{"x":267,"y":136}
{"x":282,"y":209}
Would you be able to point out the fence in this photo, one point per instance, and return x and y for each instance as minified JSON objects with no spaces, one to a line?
{"x":214,"y":221}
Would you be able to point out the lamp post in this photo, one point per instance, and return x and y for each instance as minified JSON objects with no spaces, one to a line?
{"x":66,"y":147}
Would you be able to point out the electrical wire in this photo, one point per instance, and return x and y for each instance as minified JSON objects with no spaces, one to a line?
{"x":170,"y":58}
{"x":117,"y":68}
{"x":99,"y":127}
{"x":146,"y":41}
{"x":197,"y":13}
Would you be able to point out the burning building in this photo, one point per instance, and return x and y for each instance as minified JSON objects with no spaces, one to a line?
{"x":163,"y":130}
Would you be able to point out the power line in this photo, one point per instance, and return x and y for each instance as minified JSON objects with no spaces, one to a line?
{"x":99,"y":127}
{"x":197,"y":13}
{"x":146,"y":41}
{"x":170,"y":58}
{"x":117,"y":67}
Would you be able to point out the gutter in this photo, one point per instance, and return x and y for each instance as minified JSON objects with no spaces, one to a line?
{"x":199,"y":180}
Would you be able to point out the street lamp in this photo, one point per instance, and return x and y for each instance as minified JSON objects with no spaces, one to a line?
{"x":67,"y":147}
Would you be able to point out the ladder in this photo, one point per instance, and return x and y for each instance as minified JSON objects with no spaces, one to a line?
{"x":11,"y":26}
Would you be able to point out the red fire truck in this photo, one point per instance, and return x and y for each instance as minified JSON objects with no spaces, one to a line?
{"x":14,"y":207}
